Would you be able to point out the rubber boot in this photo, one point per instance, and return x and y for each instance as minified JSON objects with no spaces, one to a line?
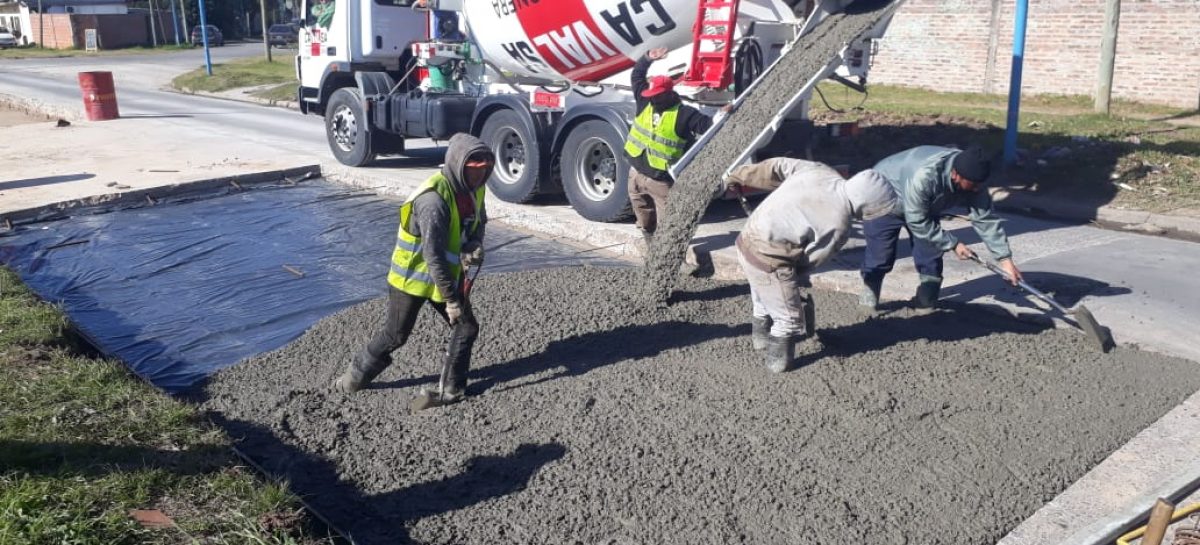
{"x":781,"y":353}
{"x":760,"y":331}
{"x":928,"y":291}
{"x":361,"y":372}
{"x":868,"y":298}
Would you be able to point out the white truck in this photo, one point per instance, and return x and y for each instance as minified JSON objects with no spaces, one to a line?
{"x":545,"y":83}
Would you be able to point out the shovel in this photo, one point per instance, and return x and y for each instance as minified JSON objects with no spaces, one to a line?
{"x":1082,"y":316}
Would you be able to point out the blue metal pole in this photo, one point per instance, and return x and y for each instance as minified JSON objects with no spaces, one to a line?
{"x":204,"y":37}
{"x":1014,"y":84}
{"x":175,"y":22}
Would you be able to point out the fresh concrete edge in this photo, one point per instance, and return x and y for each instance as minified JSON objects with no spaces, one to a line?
{"x":176,"y":192}
{"x":1119,"y":492}
{"x":35,"y":107}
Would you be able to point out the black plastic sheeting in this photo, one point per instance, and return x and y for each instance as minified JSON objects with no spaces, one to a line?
{"x":180,"y":291}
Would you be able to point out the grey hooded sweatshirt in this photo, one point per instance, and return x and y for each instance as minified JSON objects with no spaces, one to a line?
{"x":431,"y":216}
{"x":806,"y":219}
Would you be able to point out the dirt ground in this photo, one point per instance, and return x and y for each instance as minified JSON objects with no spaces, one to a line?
{"x":12,"y":118}
{"x":597,"y":420}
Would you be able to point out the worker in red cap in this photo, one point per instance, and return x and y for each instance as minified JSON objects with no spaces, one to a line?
{"x":662,"y":131}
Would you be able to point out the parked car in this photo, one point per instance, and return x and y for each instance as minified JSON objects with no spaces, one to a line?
{"x":7,"y":39}
{"x":215,"y":38}
{"x":282,"y":35}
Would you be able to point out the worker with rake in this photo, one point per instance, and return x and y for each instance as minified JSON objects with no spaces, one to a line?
{"x":441,"y":233}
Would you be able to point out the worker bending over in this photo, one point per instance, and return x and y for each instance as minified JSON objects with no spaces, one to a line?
{"x":800,"y":225}
{"x":929,"y":180}
{"x":441,"y":232}
{"x":662,"y":131}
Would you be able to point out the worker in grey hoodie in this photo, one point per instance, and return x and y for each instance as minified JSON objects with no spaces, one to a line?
{"x":801,"y":224}
{"x":441,"y":233}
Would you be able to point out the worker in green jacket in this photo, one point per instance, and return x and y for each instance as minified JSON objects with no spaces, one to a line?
{"x":441,"y":233}
{"x":930,"y":180}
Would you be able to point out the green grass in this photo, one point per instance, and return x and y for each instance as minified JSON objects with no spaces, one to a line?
{"x":1133,"y":159}
{"x":82,"y":443}
{"x":237,"y":74}
{"x":34,"y":52}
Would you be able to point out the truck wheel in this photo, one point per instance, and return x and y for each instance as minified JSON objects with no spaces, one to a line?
{"x":346,"y":128}
{"x":518,"y":157}
{"x":595,"y":171}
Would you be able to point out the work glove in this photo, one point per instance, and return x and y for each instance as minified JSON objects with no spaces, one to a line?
{"x":454,"y":312}
{"x":472,"y":254}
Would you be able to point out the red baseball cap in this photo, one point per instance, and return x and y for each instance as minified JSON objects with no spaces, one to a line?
{"x":658,"y":86}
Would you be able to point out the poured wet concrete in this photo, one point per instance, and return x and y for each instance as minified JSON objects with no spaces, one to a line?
{"x":597,"y":420}
{"x":694,"y":188}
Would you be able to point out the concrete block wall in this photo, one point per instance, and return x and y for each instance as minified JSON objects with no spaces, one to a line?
{"x":966,"y":45}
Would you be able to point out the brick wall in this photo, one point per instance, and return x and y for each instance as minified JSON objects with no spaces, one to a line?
{"x":56,"y":28}
{"x":65,"y":31}
{"x":966,"y":45}
{"x":127,"y":30}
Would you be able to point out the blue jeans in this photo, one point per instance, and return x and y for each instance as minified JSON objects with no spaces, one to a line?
{"x":882,"y":236}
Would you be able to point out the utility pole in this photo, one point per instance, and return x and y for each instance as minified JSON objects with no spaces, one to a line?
{"x":41,"y":26}
{"x":204,"y":38}
{"x":187,"y":33}
{"x":1108,"y":56}
{"x":266,"y":39}
{"x":153,"y":32}
{"x":175,"y":22}
{"x":1014,"y":84}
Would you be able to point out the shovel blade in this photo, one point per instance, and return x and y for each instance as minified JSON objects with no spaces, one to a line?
{"x":1099,"y":334}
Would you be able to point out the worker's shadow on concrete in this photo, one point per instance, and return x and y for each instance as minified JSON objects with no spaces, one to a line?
{"x":579,"y":355}
{"x":1068,"y":290}
{"x":384,"y":518}
{"x":47,"y":180}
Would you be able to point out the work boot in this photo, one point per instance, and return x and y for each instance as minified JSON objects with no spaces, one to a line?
{"x":647,"y":238}
{"x":361,"y":372}
{"x":928,"y":291}
{"x":868,"y":298}
{"x":437,"y":396}
{"x":760,"y":331}
{"x":781,"y":353}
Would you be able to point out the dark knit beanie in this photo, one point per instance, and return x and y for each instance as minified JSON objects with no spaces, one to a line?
{"x":973,"y":164}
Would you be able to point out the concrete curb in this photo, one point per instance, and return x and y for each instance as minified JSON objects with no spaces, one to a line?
{"x":285,"y":104}
{"x":1125,"y":220}
{"x":556,"y":222}
{"x":177,"y":192}
{"x":35,"y":107}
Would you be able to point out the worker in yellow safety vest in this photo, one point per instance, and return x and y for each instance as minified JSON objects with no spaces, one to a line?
{"x":441,"y":232}
{"x":661,"y":133}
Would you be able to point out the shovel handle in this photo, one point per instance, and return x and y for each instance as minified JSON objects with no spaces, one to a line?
{"x":1024,"y":285}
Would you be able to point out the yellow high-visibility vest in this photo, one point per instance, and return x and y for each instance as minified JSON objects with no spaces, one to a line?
{"x":657,"y":140}
{"x":410,"y":273}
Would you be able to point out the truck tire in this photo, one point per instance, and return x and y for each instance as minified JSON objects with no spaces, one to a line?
{"x":595,"y":171}
{"x":347,"y":129}
{"x":518,"y":157}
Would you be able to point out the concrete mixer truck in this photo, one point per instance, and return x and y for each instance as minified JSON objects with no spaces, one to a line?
{"x":545,"y":83}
